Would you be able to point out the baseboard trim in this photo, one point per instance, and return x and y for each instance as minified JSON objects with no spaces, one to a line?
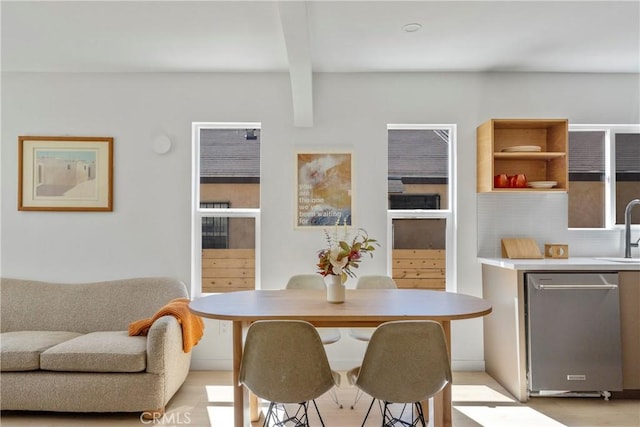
{"x":626,"y":394}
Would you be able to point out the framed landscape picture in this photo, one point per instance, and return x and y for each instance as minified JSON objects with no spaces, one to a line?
{"x":323,"y":189}
{"x":63,"y":173}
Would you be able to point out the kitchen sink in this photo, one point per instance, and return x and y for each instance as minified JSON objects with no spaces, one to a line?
{"x":623,"y":260}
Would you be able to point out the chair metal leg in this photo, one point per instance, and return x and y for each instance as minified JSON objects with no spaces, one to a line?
{"x":420,"y":412}
{"x":359,"y":394}
{"x":318,"y":411}
{"x":389,"y":420}
{"x":334,"y":397}
{"x":269,"y":414}
{"x":368,"y":411}
{"x":299,"y":419}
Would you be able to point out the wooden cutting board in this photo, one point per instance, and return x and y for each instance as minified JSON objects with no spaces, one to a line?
{"x":520,"y":249}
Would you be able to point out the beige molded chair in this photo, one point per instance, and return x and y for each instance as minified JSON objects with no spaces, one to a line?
{"x":370,"y":282}
{"x":410,"y":376}
{"x":364,"y":334}
{"x":327,"y":335}
{"x":315,"y":282}
{"x":296,"y":376}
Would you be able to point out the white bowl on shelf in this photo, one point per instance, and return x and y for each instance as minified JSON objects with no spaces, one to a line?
{"x":542,"y":184}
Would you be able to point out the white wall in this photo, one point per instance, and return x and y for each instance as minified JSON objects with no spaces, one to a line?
{"x":542,"y":217}
{"x":148,"y":233}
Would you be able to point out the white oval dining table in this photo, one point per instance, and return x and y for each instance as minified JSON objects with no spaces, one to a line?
{"x":362,"y":308}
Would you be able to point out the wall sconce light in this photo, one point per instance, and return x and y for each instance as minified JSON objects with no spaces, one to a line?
{"x":161,"y":144}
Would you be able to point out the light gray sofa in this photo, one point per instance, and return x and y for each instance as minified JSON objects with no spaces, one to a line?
{"x":66,"y":347}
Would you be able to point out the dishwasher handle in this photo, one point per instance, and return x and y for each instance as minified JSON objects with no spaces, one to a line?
{"x":575,"y":287}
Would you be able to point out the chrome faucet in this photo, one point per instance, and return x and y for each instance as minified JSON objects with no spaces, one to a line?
{"x":627,"y":228}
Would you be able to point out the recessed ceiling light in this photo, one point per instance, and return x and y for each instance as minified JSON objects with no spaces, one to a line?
{"x":411,"y":28}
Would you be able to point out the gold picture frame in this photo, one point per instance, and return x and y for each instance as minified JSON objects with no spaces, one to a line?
{"x":64,"y":173}
{"x":323,"y":189}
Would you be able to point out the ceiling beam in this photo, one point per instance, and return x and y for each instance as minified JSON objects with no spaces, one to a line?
{"x":293,"y":18}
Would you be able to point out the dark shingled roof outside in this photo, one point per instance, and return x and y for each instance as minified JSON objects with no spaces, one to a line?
{"x":413,"y":153}
{"x":586,"y":152}
{"x":227,"y":153}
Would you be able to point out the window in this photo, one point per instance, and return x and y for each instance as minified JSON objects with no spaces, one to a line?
{"x":627,"y":177}
{"x":420,"y":191}
{"x":226,"y":207}
{"x":587,"y":179}
{"x":604,"y":174}
{"x":215,"y":230}
{"x":418,"y":166}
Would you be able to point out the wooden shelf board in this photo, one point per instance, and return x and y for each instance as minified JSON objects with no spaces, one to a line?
{"x":527,"y":123}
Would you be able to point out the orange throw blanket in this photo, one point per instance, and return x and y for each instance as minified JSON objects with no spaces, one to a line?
{"x":192,"y":325}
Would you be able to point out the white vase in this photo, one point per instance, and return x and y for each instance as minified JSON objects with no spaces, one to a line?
{"x":335,"y":289}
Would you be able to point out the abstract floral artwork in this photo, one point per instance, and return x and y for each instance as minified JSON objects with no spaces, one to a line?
{"x":323,"y":189}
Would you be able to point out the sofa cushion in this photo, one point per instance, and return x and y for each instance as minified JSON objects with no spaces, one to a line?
{"x":83,"y":307}
{"x":105,"y":351}
{"x":20,"y":350}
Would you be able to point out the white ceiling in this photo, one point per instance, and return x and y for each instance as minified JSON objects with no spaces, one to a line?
{"x":320,"y":36}
{"x":343,"y":36}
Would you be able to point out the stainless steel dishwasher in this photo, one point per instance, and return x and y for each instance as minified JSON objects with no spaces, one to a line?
{"x":573,"y":334}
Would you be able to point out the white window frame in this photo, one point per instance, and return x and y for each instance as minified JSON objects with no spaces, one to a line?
{"x":197,"y":213}
{"x":449,"y":214}
{"x":609,"y":168}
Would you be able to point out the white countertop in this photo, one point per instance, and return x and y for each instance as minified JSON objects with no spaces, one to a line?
{"x":572,"y":263}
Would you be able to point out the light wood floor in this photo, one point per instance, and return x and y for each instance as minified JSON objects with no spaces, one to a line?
{"x":205,"y":400}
